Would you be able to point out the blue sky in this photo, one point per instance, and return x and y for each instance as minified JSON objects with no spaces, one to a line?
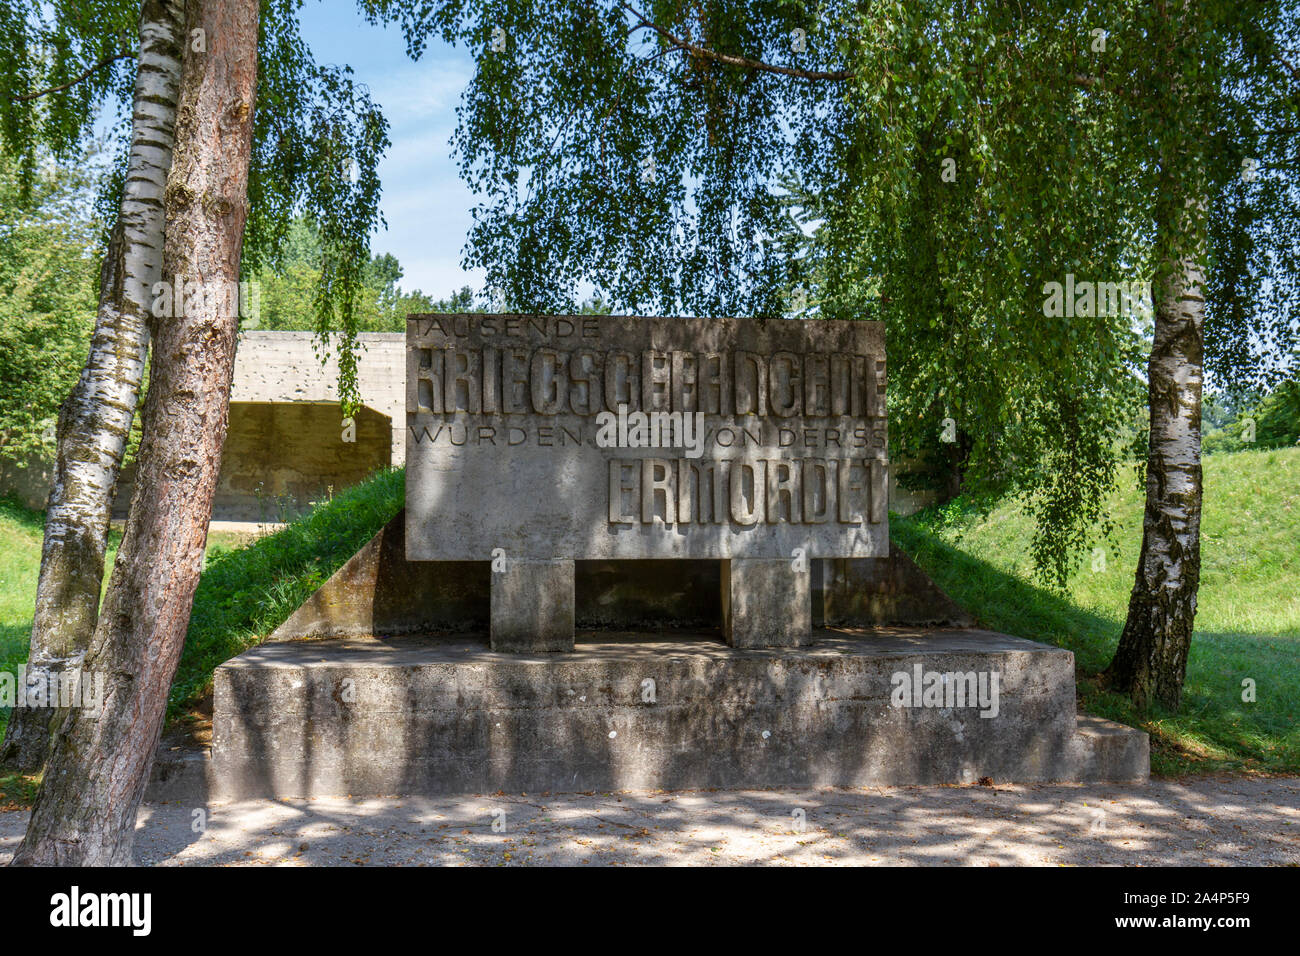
{"x":425,"y":203}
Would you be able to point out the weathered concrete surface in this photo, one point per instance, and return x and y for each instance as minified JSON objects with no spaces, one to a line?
{"x":29,"y":481}
{"x":779,"y":441}
{"x":1099,"y":746}
{"x":532,"y":607}
{"x":872,"y":591}
{"x":280,"y":459}
{"x":284,"y":367}
{"x":379,"y":593}
{"x":415,"y":715}
{"x":765,"y":603}
{"x":648,"y":596}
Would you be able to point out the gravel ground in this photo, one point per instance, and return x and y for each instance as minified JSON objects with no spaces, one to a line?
{"x":1216,"y":821}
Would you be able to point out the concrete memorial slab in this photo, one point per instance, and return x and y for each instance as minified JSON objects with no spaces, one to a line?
{"x":658,"y":484}
{"x":560,"y":438}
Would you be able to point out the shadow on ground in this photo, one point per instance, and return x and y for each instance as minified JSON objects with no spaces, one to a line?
{"x":1217,"y":821}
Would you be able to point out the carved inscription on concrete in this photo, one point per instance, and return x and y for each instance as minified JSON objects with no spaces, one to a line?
{"x":556,"y":437}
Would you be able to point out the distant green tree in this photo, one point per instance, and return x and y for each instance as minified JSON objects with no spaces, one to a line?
{"x":1221,"y":408}
{"x":287,"y":290}
{"x":1271,"y":420}
{"x":1278,"y":417}
{"x":49,"y":259}
{"x":460,"y":301}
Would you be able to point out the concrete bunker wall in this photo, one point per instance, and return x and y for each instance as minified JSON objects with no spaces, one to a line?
{"x":286,"y":447}
{"x":283,"y":367}
{"x":280,"y":458}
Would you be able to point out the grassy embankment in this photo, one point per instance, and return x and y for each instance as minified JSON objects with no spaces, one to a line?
{"x":1247,"y":622}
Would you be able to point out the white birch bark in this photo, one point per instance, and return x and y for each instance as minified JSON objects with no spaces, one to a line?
{"x":99,"y":764}
{"x":1150,"y":662}
{"x":95,"y":420}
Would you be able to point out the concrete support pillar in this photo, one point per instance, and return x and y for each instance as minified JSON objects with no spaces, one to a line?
{"x":766,"y":603}
{"x":532,"y":607}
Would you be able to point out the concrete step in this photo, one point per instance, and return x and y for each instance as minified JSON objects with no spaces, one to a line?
{"x":1106,"y":752}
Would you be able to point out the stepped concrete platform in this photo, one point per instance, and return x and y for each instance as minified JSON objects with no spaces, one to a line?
{"x":675,"y":710}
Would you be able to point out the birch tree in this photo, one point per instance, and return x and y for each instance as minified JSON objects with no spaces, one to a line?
{"x":95,"y":420}
{"x":316,"y":150}
{"x":99,"y":766}
{"x":1217,"y":94}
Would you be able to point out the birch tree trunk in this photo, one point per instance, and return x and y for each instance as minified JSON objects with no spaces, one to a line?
{"x":1150,"y":662}
{"x":99,"y":765}
{"x":95,"y":420}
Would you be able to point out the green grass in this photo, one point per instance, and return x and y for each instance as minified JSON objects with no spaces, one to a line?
{"x":1247,"y":623}
{"x":21,"y":531}
{"x":20,"y":560}
{"x":247,"y":590}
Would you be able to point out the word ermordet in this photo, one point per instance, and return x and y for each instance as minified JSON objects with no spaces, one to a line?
{"x":946,"y":690}
{"x":624,"y":437}
{"x":1087,"y":299}
{"x":181,"y":297}
{"x":41,"y":687}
